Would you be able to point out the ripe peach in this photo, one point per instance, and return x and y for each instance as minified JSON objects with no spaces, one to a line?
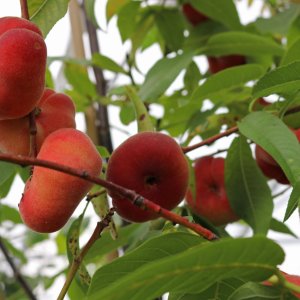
{"x":269,"y":166}
{"x":153,"y":165}
{"x":23,"y":56}
{"x":50,"y":197}
{"x":54,"y":111}
{"x":217,"y":64}
{"x":194,"y":16}
{"x":211,"y":200}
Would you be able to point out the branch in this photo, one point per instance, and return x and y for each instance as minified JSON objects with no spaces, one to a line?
{"x":24,"y":9}
{"x":32,"y":134}
{"x":130,"y":195}
{"x":210,"y":140}
{"x":77,"y":260}
{"x":102,"y":121}
{"x":17,"y":273}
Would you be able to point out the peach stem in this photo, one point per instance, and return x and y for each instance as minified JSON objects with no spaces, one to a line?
{"x":210,"y":140}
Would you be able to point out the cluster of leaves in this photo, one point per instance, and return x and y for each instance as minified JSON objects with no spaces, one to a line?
{"x":158,"y":257}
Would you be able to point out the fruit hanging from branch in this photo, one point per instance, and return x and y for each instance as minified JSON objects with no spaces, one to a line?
{"x":210,"y":199}
{"x":269,"y":166}
{"x":53,"y":111}
{"x":154,"y":166}
{"x":50,"y":197}
{"x":22,"y":68}
{"x":194,"y":16}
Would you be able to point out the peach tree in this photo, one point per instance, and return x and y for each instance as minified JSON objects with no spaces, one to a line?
{"x":191,"y":120}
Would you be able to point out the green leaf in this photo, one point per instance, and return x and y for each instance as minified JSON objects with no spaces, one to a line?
{"x":281,"y":227}
{"x":162,"y":74}
{"x":6,"y":185}
{"x":6,"y":171}
{"x":78,"y":77}
{"x":294,"y":201}
{"x":246,"y":187}
{"x":103,"y":151}
{"x":221,"y":11}
{"x":189,"y":271}
{"x":192,"y":77}
{"x":128,"y":12}
{"x":13,"y":251}
{"x":292,"y":53}
{"x":106,"y":63}
{"x":256,"y":291}
{"x":113,"y":7}
{"x":153,"y":249}
{"x":171,"y":26}
{"x":218,"y":291}
{"x":106,"y":244}
{"x":142,"y":116}
{"x":276,"y":138}
{"x":280,"y":23}
{"x":73,"y":249}
{"x":243,"y":43}
{"x":45,"y":13}
{"x":226,"y":80}
{"x":8,"y":213}
{"x":280,"y":80}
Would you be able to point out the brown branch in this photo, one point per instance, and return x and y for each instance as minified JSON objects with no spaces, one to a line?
{"x":116,"y":189}
{"x":32,"y":134}
{"x":210,"y":140}
{"x":24,"y":9}
{"x":77,"y":260}
{"x":101,"y":86}
{"x":17,"y":273}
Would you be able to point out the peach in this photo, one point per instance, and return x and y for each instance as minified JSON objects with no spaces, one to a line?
{"x":153,"y":165}
{"x":54,"y":111}
{"x":50,"y":197}
{"x":211,"y":200}
{"x":217,"y":64}
{"x":23,"y":56}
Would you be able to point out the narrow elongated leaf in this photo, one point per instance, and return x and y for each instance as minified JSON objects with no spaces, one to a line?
{"x":281,"y":227}
{"x":8,"y":213}
{"x":107,"y":63}
{"x":128,"y":12}
{"x":221,"y":11}
{"x":276,"y":138}
{"x":294,"y":201}
{"x":73,"y":250}
{"x":153,"y":249}
{"x":162,"y":74}
{"x":113,"y":7}
{"x":218,"y":291}
{"x":248,"y":192}
{"x":280,"y":23}
{"x":241,"y":43}
{"x":106,"y":244}
{"x":190,"y":271}
{"x":256,"y":291}
{"x":292,"y":54}
{"x":282,"y":79}
{"x":226,"y":80}
{"x":47,"y":12}
{"x":171,"y":26}
{"x":6,"y":171}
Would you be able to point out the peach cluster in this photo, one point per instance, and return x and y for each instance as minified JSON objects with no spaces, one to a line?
{"x":50,"y":197}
